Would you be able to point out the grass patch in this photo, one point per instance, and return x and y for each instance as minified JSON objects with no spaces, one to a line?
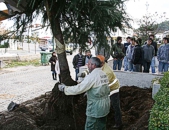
{"x":23,"y":63}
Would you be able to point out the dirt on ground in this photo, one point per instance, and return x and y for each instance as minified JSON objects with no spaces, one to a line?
{"x":56,"y":111}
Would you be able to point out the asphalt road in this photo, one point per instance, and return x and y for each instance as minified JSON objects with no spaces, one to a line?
{"x":20,"y":84}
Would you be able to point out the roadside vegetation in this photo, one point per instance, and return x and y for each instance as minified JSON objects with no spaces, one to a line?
{"x":5,"y":45}
{"x":159,"y":114}
{"x":22,"y":63}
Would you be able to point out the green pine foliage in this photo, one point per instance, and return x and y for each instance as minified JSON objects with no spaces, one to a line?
{"x":159,"y":115}
{"x":77,"y":18}
{"x":164,"y":26}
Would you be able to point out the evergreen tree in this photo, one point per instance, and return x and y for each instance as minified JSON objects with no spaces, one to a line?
{"x":73,"y":20}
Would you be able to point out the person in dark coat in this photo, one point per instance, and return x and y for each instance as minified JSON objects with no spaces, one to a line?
{"x":154,"y":59}
{"x":52,"y":60}
{"x":78,"y":61}
{"x":148,"y":54}
{"x":137,"y":56}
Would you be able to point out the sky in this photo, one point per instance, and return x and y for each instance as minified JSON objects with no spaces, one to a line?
{"x":137,"y":8}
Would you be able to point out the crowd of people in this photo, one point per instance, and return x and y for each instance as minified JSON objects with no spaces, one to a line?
{"x":139,"y":57}
{"x":132,"y":56}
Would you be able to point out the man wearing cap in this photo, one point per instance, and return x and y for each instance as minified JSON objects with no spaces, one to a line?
{"x":96,"y":87}
{"x":114,"y":91}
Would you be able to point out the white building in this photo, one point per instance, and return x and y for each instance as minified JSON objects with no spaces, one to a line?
{"x":159,"y":36}
{"x":122,"y":33}
{"x":36,"y":30}
{"x":165,"y":34}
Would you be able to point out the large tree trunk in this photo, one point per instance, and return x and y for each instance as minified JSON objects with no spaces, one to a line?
{"x":60,"y":47}
{"x":60,"y":109}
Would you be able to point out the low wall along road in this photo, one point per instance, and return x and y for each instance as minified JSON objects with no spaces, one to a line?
{"x":142,"y":80}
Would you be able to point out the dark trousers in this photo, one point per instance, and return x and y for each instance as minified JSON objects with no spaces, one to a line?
{"x":146,"y":66}
{"x":59,"y":78}
{"x":137,"y":68}
{"x":115,"y":102}
{"x":54,"y":75}
{"x":117,"y":62}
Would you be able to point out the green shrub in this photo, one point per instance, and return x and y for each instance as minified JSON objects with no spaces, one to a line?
{"x":23,"y":63}
{"x":159,"y":115}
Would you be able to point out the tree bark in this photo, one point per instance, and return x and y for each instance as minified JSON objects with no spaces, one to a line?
{"x":60,"y":47}
{"x":60,"y":109}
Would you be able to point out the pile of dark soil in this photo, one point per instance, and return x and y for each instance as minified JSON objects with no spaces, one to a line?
{"x":56,"y":111}
{"x":135,"y":105}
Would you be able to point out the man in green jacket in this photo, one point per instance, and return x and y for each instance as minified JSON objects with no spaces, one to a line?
{"x":98,"y":102}
{"x":117,"y":52}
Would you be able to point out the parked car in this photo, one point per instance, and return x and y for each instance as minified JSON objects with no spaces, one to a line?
{"x":69,"y":48}
{"x":47,"y":48}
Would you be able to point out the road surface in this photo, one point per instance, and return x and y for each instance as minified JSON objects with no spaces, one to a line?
{"x":24,"y":83}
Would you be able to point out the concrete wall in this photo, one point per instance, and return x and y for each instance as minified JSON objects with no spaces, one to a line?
{"x":142,"y":80}
{"x":20,"y":57}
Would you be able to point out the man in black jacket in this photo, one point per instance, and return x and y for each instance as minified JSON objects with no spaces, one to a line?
{"x":137,"y":56}
{"x":78,"y":61}
{"x":154,"y":44}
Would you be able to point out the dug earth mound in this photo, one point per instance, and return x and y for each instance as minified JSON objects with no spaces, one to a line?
{"x":56,"y":111}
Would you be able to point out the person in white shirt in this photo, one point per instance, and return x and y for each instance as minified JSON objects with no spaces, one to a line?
{"x":57,"y":69}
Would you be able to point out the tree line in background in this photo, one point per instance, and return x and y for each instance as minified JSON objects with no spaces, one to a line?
{"x":151,"y":24}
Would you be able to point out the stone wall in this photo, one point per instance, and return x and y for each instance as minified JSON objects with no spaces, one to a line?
{"x":142,"y":80}
{"x":20,"y":57}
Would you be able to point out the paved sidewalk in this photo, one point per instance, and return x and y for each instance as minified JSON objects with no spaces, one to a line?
{"x":24,"y":84}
